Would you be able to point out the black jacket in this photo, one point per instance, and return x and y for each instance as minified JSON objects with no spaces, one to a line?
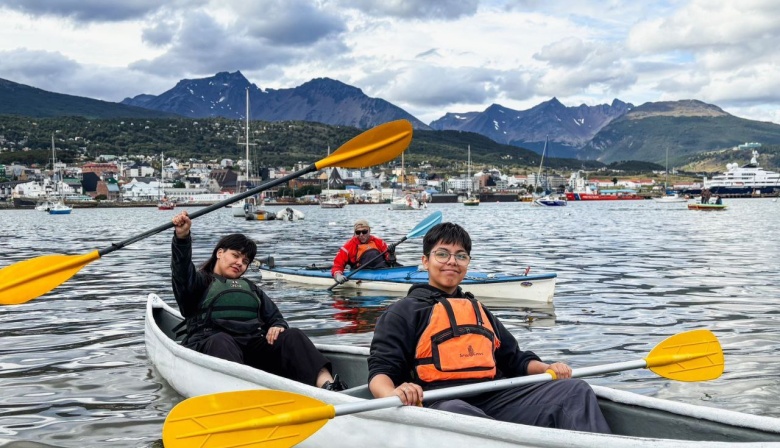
{"x":190,"y":286}
{"x":400,"y":327}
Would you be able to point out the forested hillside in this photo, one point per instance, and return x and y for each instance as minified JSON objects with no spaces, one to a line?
{"x":28,"y":141}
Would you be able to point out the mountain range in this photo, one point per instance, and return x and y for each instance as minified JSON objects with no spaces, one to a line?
{"x":606,"y":132}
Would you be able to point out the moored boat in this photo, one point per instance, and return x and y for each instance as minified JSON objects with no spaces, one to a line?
{"x":747,"y":179}
{"x":582,"y":191}
{"x":59,"y":208}
{"x":333,"y":202}
{"x":670,"y":199}
{"x":536,"y":288}
{"x":290,"y":214}
{"x":635,"y":420}
{"x":408,"y":202}
{"x":259,"y":214}
{"x":596,"y":195}
{"x":697,"y":206}
{"x":550,"y":200}
{"x":166,"y":205}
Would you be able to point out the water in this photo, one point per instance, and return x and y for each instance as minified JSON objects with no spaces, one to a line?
{"x":73,"y":367}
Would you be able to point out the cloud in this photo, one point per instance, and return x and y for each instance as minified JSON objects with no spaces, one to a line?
{"x":575,"y":66}
{"x":569,"y":51}
{"x":427,"y":57}
{"x":94,"y":10}
{"x":160,"y":32}
{"x":437,"y":86}
{"x":36,"y":68}
{"x":53,"y":72}
{"x":414,"y":9}
{"x":247,"y":36}
{"x":292,"y":22}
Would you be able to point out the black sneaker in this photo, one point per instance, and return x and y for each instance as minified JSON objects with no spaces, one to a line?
{"x":336,"y":385}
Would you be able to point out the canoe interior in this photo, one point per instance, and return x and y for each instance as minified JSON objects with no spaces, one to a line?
{"x":624,"y":419}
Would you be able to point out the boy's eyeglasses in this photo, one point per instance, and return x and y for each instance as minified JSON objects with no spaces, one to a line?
{"x":443,"y":256}
{"x":361,"y":232}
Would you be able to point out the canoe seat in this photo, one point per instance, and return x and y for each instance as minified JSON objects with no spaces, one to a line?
{"x":359,"y":391}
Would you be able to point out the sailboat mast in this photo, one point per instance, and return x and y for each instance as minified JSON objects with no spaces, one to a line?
{"x":53,"y":161}
{"x":539,"y":175}
{"x":159,"y":187}
{"x":666,"y":181}
{"x":468,"y":171}
{"x":247,"y":137}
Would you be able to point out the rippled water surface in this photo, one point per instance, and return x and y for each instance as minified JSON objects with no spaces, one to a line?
{"x":73,"y":367}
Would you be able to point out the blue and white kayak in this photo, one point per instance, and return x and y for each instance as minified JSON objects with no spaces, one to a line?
{"x":533,"y":288}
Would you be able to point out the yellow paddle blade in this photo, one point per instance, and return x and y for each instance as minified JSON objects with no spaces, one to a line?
{"x":374,"y":146}
{"x":26,"y":280}
{"x":248,"y":418}
{"x":691,"y":356}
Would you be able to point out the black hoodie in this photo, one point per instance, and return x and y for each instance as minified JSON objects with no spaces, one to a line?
{"x":399,"y":328}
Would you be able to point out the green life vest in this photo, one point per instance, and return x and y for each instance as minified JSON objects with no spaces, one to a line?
{"x":229,"y":300}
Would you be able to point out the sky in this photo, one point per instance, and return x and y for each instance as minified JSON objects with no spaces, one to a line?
{"x":428,"y":57}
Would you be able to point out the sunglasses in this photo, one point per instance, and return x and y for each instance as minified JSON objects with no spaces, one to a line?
{"x":361,"y":232}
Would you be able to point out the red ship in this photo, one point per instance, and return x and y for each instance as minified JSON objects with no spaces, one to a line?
{"x":596,"y":196}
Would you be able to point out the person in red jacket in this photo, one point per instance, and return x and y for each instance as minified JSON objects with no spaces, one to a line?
{"x":362,"y":250}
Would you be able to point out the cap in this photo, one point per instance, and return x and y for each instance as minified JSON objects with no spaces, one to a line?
{"x":361,"y":223}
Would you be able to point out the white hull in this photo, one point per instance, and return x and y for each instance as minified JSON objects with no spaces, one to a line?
{"x":191,"y":374}
{"x":290,"y":214}
{"x":333,"y":203}
{"x":237,"y":209}
{"x":407,"y":203}
{"x":670,"y":199}
{"x":541,"y":290}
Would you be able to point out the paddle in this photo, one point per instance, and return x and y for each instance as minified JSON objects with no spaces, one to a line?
{"x":29,"y":279}
{"x":285,"y":419}
{"x":418,"y":231}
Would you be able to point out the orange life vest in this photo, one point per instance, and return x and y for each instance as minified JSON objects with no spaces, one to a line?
{"x":367,"y":252}
{"x":458,"y":344}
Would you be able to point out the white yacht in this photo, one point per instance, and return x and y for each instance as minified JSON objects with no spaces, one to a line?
{"x":746,"y":179}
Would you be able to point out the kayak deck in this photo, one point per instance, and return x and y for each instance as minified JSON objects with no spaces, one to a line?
{"x":536,"y":288}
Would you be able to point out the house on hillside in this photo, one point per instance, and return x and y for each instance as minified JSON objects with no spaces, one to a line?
{"x":139,"y":169}
{"x":142,"y":189}
{"x":101,"y":169}
{"x":109,"y":188}
{"x":227,"y":180}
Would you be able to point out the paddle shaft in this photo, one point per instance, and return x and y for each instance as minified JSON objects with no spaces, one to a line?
{"x":368,"y":263}
{"x":210,"y":208}
{"x":489,"y":386}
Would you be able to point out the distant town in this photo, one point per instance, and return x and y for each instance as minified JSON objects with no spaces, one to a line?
{"x":147,"y":180}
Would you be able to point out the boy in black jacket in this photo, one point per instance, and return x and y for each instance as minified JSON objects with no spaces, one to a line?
{"x":440,"y":336}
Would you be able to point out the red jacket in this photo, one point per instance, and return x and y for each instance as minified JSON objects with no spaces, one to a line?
{"x":349,"y":252}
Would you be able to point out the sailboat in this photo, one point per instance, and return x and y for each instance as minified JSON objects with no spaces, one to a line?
{"x":331,"y":202}
{"x":162,"y":202}
{"x":550,"y":199}
{"x":470,"y":200}
{"x":407,"y":201}
{"x":245,"y":206}
{"x":669,"y":198}
{"x":58,"y":207}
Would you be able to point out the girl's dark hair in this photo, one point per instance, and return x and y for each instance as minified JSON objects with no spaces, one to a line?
{"x":447,"y":233}
{"x":235,"y":241}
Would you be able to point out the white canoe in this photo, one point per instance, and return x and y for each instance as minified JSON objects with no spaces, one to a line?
{"x":636,"y":420}
{"x":532,"y":288}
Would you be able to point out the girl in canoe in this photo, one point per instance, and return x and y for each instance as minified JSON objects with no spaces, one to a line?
{"x":229,"y":317}
{"x":440,"y":336}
